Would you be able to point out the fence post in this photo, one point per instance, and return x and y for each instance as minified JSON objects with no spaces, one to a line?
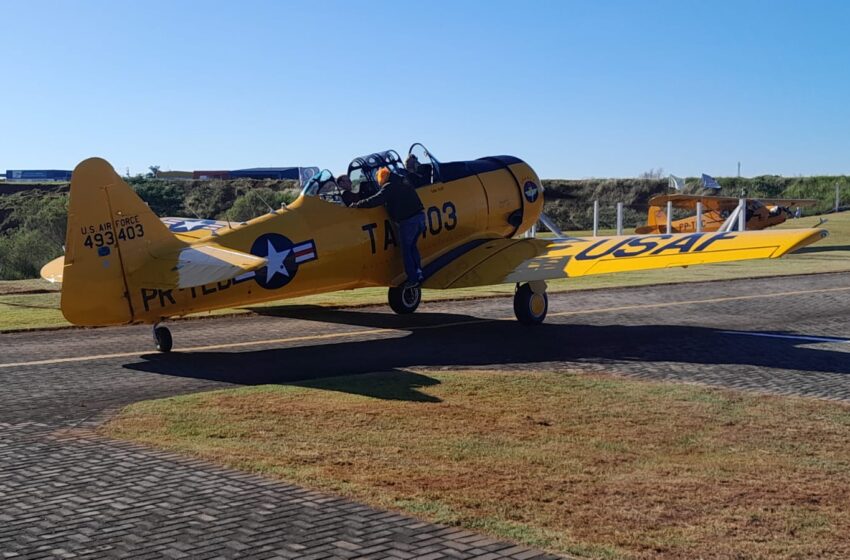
{"x":619,"y":218}
{"x":742,"y":214}
{"x":595,"y":218}
{"x":669,"y":216}
{"x":699,"y":216}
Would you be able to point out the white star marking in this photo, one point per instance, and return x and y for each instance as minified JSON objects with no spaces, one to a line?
{"x":276,"y":264}
{"x":192,"y":225}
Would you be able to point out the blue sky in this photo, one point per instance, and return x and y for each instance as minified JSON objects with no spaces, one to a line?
{"x":576,"y":88}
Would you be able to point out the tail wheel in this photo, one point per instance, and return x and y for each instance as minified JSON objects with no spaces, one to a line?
{"x":162,"y":339}
{"x":529,"y":307}
{"x":404,"y":300}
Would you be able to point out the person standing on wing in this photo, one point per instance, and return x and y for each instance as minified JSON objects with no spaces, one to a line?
{"x":406,"y":210}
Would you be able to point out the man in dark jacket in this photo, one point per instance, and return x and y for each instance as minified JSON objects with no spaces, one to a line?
{"x":406,"y":210}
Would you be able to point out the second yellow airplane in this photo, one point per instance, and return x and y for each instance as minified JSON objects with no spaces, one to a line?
{"x":124,"y":265}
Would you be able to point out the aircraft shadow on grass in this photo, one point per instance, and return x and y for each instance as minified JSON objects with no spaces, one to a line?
{"x":824,"y":249}
{"x":474,"y":342}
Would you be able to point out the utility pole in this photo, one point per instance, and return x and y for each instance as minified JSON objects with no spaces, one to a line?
{"x":739,"y":169}
{"x":837,"y":197}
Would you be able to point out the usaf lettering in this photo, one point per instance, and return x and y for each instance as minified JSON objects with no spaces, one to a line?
{"x":652,"y":244}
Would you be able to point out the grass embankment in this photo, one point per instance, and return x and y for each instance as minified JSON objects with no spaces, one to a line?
{"x":829,"y":255}
{"x":586,"y":465}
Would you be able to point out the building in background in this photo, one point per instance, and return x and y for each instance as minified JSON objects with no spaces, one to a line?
{"x":278,"y":173}
{"x":174,"y":174}
{"x":207,"y":175}
{"x":37,"y":175}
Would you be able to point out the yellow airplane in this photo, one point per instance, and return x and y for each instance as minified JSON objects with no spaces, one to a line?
{"x":123,"y":265}
{"x":761,"y":213}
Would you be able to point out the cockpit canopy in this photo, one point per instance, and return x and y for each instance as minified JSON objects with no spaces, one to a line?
{"x":419,"y":164}
{"x":362,"y":170}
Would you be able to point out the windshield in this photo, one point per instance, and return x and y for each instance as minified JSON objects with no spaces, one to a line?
{"x":323,"y":185}
{"x":421,"y":163}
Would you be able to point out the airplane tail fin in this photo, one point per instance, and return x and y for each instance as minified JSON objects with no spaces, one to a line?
{"x":652,"y":220}
{"x":111,"y":232}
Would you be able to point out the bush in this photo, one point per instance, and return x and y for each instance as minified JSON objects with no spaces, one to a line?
{"x":209,"y":199}
{"x":165,"y":199}
{"x":257,"y":202}
{"x":23,"y":253}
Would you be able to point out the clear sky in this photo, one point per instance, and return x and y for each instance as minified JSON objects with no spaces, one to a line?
{"x":591,"y":88}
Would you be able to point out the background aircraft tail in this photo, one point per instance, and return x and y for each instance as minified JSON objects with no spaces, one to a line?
{"x":655,"y":217}
{"x":111,"y":232}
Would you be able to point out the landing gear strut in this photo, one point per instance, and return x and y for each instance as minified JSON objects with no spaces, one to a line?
{"x":162,"y":338}
{"x":404,"y":300}
{"x":531,"y":303}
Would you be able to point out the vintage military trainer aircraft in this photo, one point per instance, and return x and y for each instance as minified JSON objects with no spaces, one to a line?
{"x":124,"y":265}
{"x":761,"y":213}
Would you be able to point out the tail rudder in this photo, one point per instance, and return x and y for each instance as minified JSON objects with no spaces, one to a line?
{"x":111,"y":232}
{"x":652,"y":220}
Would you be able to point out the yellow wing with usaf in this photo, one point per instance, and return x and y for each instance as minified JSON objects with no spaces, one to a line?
{"x":500,"y":261}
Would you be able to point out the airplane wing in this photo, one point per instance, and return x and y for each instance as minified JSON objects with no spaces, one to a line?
{"x":689,"y":201}
{"x":788,"y":202}
{"x":192,"y":229}
{"x":501,"y":261}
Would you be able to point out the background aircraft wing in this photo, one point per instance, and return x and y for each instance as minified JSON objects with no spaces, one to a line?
{"x":500,"y":261}
{"x":788,"y":202}
{"x":689,"y":201}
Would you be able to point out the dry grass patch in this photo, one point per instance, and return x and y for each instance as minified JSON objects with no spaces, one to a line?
{"x":589,"y":465}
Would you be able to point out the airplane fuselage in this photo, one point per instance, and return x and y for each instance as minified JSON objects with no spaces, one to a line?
{"x":314,"y":246}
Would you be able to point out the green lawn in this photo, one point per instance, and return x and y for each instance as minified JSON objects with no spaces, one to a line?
{"x":27,"y":311}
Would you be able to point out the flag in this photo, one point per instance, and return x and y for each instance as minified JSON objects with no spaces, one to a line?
{"x":676,"y":183}
{"x":709,"y":182}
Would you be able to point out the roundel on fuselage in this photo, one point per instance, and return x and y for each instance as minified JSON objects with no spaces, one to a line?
{"x":283,"y":258}
{"x":531,"y":191}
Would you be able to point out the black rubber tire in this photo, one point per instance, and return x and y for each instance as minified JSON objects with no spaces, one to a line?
{"x":404,"y":300}
{"x":162,"y":339}
{"x":528,"y":307}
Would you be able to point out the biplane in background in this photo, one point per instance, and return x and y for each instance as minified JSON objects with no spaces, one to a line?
{"x":761,"y":213}
{"x":123,"y":265}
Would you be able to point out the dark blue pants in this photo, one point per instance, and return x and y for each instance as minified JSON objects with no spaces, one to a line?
{"x":410,"y":230}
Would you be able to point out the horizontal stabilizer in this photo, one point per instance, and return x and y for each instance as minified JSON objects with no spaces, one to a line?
{"x":52,"y":271}
{"x":195,"y":265}
{"x":205,"y":264}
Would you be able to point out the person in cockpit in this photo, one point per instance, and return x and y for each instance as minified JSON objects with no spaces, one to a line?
{"x":349,"y":197}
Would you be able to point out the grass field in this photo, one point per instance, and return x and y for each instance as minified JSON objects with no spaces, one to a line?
{"x":588,"y":465}
{"x":26,"y":311}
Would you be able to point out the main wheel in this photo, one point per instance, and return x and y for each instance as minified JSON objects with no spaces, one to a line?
{"x":530,"y":308}
{"x":162,"y":339}
{"x":404,"y":300}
